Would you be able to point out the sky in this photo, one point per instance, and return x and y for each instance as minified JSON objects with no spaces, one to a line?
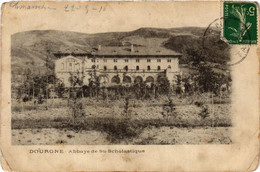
{"x":96,"y":17}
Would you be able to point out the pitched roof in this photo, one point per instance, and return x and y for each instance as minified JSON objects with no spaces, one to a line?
{"x":74,"y":51}
{"x":121,"y":51}
{"x":137,"y":51}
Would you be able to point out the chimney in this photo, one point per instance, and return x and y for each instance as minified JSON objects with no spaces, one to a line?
{"x":99,"y":47}
{"x":132,"y":48}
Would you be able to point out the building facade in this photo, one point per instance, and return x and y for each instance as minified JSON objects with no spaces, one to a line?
{"x":118,"y":65}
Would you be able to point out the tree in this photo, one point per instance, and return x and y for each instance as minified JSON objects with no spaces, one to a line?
{"x":60,"y":89}
{"x":206,"y":78}
{"x":169,"y":109}
{"x":74,"y":100}
{"x":163,"y":85}
{"x":126,"y":106}
{"x":94,"y":82}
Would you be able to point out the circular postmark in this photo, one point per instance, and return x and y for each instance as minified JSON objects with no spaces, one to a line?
{"x":213,"y":37}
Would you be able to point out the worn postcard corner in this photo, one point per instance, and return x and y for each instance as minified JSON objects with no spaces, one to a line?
{"x":5,"y":165}
{"x":143,"y":86}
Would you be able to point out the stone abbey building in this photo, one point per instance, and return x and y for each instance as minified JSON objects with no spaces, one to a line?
{"x":123,"y":65}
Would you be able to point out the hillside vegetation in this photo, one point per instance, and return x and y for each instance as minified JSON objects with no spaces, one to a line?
{"x":29,"y":49}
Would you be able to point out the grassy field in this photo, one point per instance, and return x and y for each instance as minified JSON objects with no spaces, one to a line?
{"x":104,"y":122}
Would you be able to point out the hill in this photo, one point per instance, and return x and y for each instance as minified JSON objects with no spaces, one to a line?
{"x":29,"y":49}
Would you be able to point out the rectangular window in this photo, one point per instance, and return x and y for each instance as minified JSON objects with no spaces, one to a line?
{"x":126,"y":60}
{"x":104,"y":60}
{"x":92,"y":60}
{"x":158,"y":60}
{"x":137,"y":60}
{"x":77,"y":66}
{"x":169,"y":60}
{"x":115,"y":60}
{"x":148,"y":60}
{"x":70,"y":66}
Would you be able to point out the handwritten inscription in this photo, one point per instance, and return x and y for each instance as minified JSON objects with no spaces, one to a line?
{"x":39,"y":6}
{"x":66,"y":8}
{"x":72,"y":7}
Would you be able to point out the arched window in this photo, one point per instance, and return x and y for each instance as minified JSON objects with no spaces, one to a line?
{"x":93,"y":67}
{"x":137,"y":67}
{"x":126,"y":68}
{"x":115,"y":79}
{"x":115,"y":67}
{"x":105,"y":67}
{"x":138,"y":79}
{"x":169,"y":66}
{"x":127,"y":79}
{"x":149,"y":79}
{"x":158,"y":67}
{"x":148,"y":68}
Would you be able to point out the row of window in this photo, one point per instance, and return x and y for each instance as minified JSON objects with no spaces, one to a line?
{"x":137,"y":67}
{"x":126,"y":60}
{"x":115,"y":67}
{"x":77,"y":66}
{"x":115,"y":60}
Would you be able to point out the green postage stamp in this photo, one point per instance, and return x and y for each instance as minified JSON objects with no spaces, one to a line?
{"x":240,"y":22}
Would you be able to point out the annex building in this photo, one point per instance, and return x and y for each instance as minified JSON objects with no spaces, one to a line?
{"x":118,"y":65}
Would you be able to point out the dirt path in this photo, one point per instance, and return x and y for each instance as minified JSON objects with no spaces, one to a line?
{"x":51,"y":136}
{"x":162,"y":135}
{"x":174,"y":135}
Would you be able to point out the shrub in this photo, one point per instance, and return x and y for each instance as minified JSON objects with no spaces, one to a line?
{"x":204,"y":112}
{"x":121,"y":129}
{"x":16,"y":108}
{"x":77,"y":109}
{"x":169,"y":109}
{"x":117,"y":129}
{"x":20,"y":108}
{"x":145,"y":141}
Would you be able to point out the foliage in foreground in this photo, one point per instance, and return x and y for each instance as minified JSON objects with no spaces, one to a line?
{"x":116,"y":128}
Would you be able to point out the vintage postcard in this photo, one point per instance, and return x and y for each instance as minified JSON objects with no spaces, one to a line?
{"x":130,"y":86}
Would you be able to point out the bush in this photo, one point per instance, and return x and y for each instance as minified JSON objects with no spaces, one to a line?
{"x":16,"y":108}
{"x":121,"y":129}
{"x":117,"y":129}
{"x":20,"y":108}
{"x":204,"y":112}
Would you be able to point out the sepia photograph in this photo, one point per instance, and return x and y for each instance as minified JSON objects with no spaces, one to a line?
{"x":130,"y":86}
{"x":146,"y":86}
